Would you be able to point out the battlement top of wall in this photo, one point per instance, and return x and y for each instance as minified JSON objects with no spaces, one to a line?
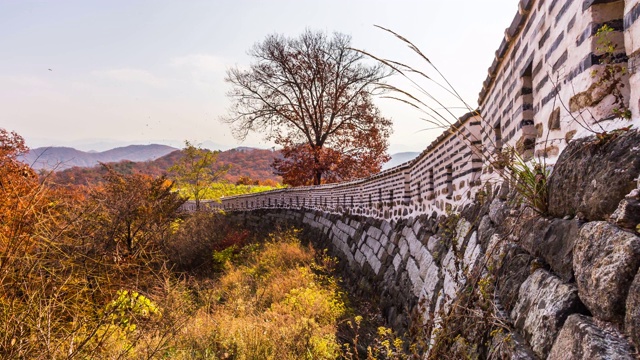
{"x":524,"y":7}
{"x":406,"y":166}
{"x":455,"y":127}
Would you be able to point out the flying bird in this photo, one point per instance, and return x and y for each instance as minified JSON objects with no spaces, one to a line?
{"x":50,"y":70}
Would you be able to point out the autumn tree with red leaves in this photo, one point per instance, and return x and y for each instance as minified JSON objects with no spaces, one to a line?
{"x":312,"y":95}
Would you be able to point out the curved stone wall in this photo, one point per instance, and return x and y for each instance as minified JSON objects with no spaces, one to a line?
{"x":540,"y":94}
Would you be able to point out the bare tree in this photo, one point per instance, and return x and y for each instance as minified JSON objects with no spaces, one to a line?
{"x":312,"y":93}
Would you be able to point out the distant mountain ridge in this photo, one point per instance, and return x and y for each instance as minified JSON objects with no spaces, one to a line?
{"x":61,"y":158}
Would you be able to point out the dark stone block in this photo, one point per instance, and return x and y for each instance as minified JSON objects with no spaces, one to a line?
{"x":592,"y":177}
{"x":513,"y":271}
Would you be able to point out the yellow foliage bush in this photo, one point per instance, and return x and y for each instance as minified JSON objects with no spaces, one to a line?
{"x":271,"y":307}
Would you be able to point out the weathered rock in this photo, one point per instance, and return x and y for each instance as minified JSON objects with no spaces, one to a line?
{"x":549,"y":239}
{"x":556,"y":246}
{"x":591,"y":177}
{"x":627,"y":215}
{"x":544,"y":303}
{"x":509,"y":346}
{"x":580,"y":338}
{"x":497,"y":211}
{"x":485,"y":230}
{"x":632,"y":318}
{"x":514,"y":270}
{"x":605,"y":261}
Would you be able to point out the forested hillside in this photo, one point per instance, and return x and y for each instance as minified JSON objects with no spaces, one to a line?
{"x":247,"y":165}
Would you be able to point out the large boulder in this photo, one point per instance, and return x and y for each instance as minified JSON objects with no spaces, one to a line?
{"x":581,"y":339}
{"x":551,"y":240}
{"x":591,"y":177}
{"x":605,"y":261}
{"x":544,"y":303}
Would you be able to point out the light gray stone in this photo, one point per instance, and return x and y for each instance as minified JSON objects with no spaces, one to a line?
{"x":453,"y":278}
{"x":404,"y":249}
{"x":433,"y":243}
{"x":375,"y":264}
{"x":374,"y":232}
{"x":581,"y":339}
{"x":497,"y":211}
{"x":462,"y":230}
{"x":373,"y":244}
{"x":472,"y":252}
{"x":605,"y":261}
{"x":414,"y":276}
{"x":544,"y":302}
{"x":397,"y":260}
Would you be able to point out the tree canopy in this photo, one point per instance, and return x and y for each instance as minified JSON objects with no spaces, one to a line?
{"x":196,"y":170}
{"x":312,"y":95}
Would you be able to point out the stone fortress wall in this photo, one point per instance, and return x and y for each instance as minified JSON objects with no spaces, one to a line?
{"x":539,"y":94}
{"x":566,"y":285}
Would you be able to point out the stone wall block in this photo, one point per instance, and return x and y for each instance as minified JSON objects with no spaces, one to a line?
{"x":453,"y":278}
{"x":472,"y":252}
{"x":463,"y":227}
{"x":384,"y":241}
{"x":544,"y":303}
{"x":375,"y":264}
{"x":605,"y":261}
{"x":374,"y":232}
{"x":430,"y":273}
{"x":373,"y":244}
{"x":627,"y":215}
{"x":417,"y":226}
{"x":494,"y":255}
{"x":632,"y":317}
{"x":581,"y":339}
{"x":415,"y":247}
{"x":404,"y":249}
{"x":510,"y":273}
{"x":397,"y":261}
{"x":556,"y":247}
{"x":437,"y":247}
{"x":386,"y":228}
{"x":485,"y":230}
{"x":497,"y":211}
{"x":509,"y":346}
{"x":414,"y":275}
{"x":359,"y":257}
{"x":592,"y":178}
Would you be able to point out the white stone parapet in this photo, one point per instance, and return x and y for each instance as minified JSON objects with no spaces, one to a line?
{"x":544,"y":89}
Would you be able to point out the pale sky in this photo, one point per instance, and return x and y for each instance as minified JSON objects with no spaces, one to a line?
{"x":145,"y":72}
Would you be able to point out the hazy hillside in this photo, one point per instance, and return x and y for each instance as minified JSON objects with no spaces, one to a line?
{"x":252,"y":163}
{"x":61,"y":158}
{"x":79,"y":167}
{"x":399,"y":158}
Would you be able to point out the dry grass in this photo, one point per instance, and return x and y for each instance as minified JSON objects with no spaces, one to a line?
{"x":273,"y":306}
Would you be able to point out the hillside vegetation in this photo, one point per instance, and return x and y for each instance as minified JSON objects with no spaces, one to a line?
{"x":250,"y":164}
{"x":116,"y":271}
